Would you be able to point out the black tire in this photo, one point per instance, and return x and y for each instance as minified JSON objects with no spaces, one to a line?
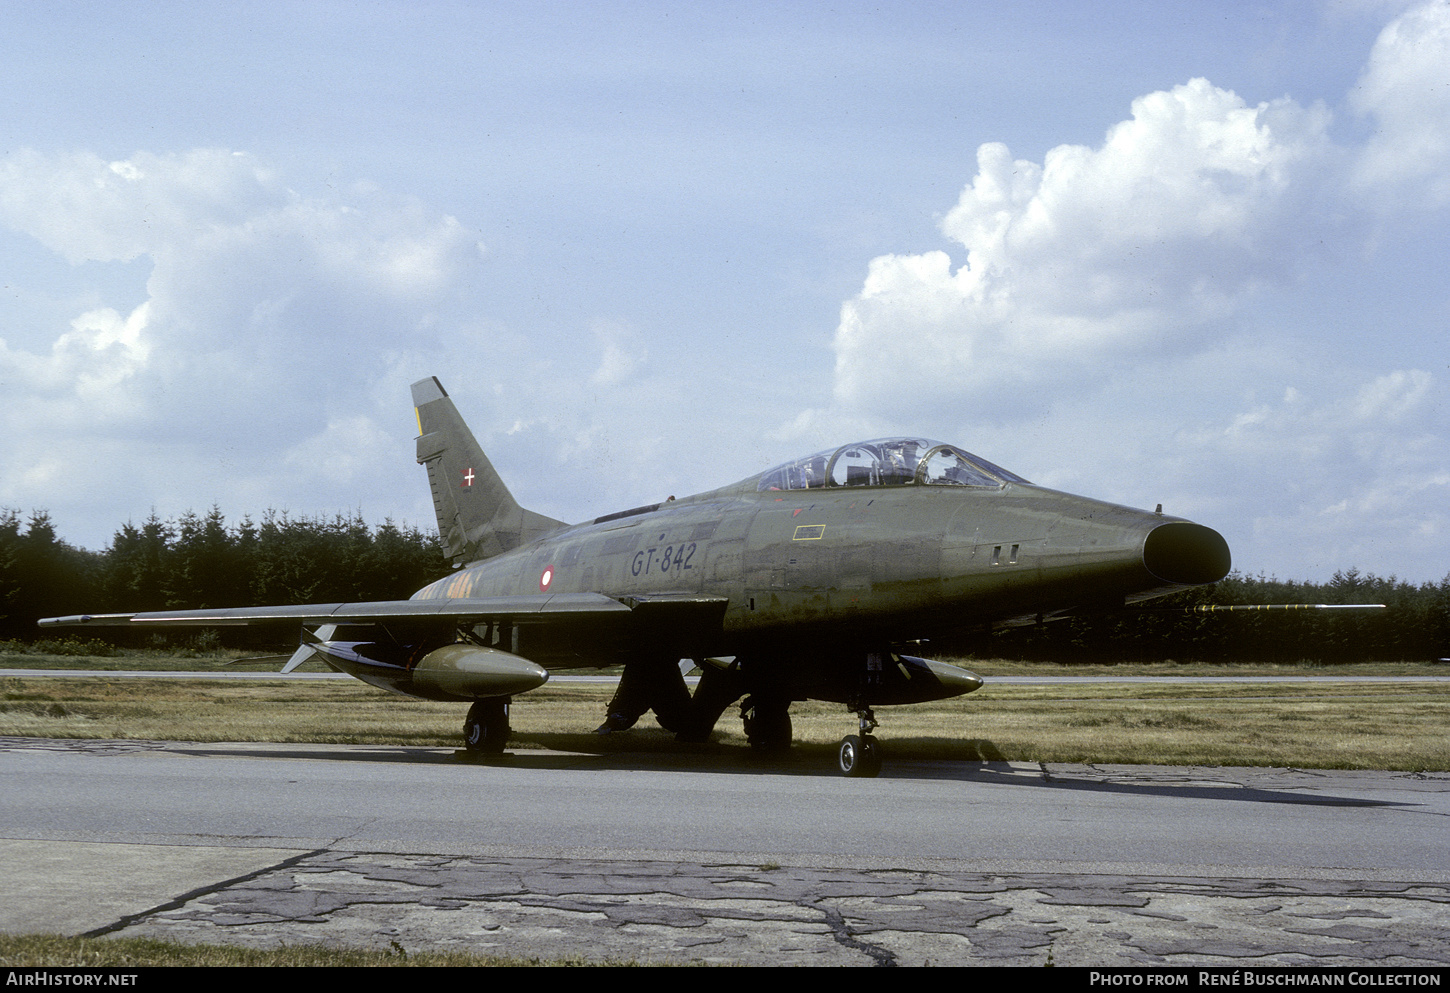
{"x":486,"y":728}
{"x":859,"y":757}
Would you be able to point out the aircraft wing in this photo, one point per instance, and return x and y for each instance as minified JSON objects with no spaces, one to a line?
{"x":558,"y":630}
{"x":554,"y":629}
{"x":519,"y":608}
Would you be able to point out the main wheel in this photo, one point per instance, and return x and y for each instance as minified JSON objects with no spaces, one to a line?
{"x":486,"y":728}
{"x":859,"y":756}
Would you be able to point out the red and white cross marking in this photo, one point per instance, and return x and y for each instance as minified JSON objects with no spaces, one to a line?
{"x":468,"y":477}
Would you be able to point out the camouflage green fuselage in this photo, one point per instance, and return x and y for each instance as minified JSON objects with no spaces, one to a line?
{"x":836,"y":565}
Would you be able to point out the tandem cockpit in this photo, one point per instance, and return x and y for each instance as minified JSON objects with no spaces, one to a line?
{"x":888,"y":462}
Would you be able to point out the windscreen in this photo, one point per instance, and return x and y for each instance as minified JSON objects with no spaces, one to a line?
{"x":888,"y":462}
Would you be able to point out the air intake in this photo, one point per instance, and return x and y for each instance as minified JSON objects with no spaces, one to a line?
{"x":1186,"y":554}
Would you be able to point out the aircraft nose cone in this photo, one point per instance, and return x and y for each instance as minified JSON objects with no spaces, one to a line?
{"x":1186,"y":554}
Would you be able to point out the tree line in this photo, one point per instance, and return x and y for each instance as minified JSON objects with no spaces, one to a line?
{"x":199,"y":561}
{"x":1414,"y":626}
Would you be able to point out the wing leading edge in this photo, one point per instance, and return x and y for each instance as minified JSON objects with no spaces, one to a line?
{"x":522,"y":607}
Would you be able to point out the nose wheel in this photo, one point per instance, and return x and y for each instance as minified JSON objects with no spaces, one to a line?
{"x":860,"y":755}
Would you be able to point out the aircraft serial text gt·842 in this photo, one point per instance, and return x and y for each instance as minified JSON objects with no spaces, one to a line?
{"x":807,"y":581}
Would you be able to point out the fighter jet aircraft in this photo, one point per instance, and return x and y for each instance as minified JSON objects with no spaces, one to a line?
{"x":811,"y":580}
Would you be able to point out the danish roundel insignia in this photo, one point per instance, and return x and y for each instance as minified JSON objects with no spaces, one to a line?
{"x":546,"y":579}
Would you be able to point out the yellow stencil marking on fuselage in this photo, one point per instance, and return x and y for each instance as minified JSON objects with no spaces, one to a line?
{"x":809,"y":532}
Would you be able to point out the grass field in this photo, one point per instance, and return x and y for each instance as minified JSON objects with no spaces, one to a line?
{"x":1395,"y":726}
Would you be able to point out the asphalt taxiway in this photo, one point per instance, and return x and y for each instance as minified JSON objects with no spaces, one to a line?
{"x":715,"y":857}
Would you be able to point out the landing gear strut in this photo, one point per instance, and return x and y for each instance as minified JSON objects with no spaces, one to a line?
{"x":651,"y":682}
{"x":860,"y":755}
{"x":486,"y":728}
{"x":767,"y":724}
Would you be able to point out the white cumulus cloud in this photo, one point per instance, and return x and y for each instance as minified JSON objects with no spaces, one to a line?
{"x":1096,"y":252}
{"x":264,"y":316}
{"x":1405,"y":91}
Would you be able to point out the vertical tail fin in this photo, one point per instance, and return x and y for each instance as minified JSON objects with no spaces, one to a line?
{"x":477,"y":516}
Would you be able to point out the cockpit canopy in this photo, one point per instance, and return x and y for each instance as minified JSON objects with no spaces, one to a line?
{"x":888,"y":462}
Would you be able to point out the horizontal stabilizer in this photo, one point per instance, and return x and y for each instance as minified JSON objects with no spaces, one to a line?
{"x":259,"y":660}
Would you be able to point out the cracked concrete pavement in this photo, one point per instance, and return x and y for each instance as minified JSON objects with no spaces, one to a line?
{"x":166,"y":870}
{"x":792,"y":915}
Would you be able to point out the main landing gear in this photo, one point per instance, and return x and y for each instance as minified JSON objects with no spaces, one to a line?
{"x":860,"y":755}
{"x":486,"y":728}
{"x":650,"y":682}
{"x":767,"y":724}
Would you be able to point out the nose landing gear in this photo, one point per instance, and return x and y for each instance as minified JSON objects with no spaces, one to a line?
{"x":860,"y":754}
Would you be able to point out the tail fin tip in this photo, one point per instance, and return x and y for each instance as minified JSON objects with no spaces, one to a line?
{"x":428,"y":390}
{"x":477,"y":516}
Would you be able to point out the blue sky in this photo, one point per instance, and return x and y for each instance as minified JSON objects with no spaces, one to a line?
{"x":1188,"y":254}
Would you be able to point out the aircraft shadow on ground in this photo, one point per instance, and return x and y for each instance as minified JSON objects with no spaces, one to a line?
{"x":960,"y":760}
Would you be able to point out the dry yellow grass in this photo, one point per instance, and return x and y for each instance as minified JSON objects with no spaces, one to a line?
{"x":1313,"y":725}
